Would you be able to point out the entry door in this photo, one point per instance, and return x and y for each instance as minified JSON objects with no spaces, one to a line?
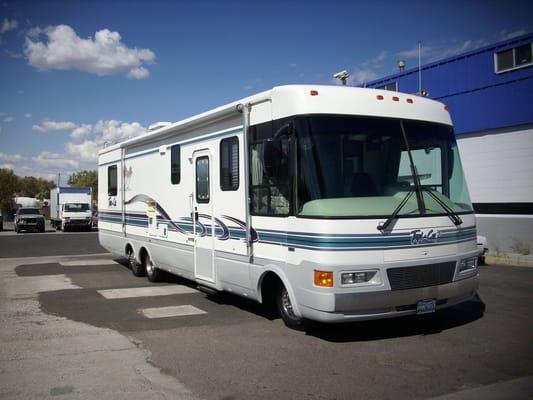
{"x":203,"y":224}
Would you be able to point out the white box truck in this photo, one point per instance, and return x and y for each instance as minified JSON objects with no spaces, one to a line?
{"x":71,"y":207}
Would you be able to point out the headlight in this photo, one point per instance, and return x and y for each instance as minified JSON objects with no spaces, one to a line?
{"x":468,"y":264}
{"x":360,"y":277}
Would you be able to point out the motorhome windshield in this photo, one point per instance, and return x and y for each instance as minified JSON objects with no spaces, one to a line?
{"x":359,"y":167}
{"x":76,"y":207}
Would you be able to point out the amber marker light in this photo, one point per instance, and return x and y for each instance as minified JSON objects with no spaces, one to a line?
{"x":324,"y":278}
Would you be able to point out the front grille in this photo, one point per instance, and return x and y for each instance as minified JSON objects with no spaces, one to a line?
{"x":421,"y":275}
{"x":30,"y":220}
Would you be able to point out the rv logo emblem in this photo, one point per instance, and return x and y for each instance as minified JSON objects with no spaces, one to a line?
{"x":419,"y":237}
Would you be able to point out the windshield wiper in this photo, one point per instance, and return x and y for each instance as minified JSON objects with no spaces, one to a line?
{"x":414,"y":173}
{"x":394,"y":214}
{"x":456,"y":219}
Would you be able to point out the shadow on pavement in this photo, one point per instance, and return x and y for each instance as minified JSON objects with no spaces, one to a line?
{"x":442,"y":320}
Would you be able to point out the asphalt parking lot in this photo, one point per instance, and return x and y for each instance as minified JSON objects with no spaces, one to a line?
{"x":56,"y":298}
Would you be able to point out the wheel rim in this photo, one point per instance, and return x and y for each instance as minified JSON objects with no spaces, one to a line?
{"x":149,"y":265}
{"x":286,"y":303}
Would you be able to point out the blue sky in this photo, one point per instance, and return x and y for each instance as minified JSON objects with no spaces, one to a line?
{"x":74,"y":74}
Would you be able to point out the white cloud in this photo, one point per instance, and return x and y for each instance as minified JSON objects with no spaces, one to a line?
{"x":63,"y":49}
{"x":47,"y":159}
{"x":365,"y":70}
{"x":80,"y":152}
{"x":115,"y":131}
{"x":48,"y":125}
{"x":7,"y":166}
{"x":11,"y":157}
{"x":467,"y":45}
{"x":8,"y":25}
{"x":27,"y":115}
{"x":81,"y":131}
{"x":138,"y":73}
{"x":9,"y":119}
{"x":2,"y":113}
{"x":413,"y":53}
{"x":504,"y":35}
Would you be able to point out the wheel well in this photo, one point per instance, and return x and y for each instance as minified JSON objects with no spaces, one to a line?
{"x":271,"y":285}
{"x":128,"y":248}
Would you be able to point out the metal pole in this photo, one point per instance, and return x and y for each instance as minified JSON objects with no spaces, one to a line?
{"x":245,"y":109}
{"x":419,"y":68}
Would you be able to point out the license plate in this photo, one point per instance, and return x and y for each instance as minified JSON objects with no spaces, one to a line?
{"x":425,"y":306}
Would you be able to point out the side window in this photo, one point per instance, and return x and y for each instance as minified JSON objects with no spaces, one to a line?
{"x":229,"y":163}
{"x":112,"y":180}
{"x":269,"y":177}
{"x":175,"y":164}
{"x":202,"y":179}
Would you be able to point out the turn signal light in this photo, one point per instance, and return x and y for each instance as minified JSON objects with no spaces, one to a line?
{"x":324,"y":278}
{"x":313,"y":92}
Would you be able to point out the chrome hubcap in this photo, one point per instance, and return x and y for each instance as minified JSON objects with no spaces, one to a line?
{"x":149,"y":265}
{"x":286,"y":303}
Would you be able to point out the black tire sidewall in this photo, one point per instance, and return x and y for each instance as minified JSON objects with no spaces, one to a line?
{"x":137,"y":268}
{"x":290,"y":321}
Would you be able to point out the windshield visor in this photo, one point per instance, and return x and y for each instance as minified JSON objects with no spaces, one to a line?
{"x":359,"y":167}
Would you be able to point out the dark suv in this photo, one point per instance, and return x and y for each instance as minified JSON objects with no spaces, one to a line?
{"x":29,"y":218}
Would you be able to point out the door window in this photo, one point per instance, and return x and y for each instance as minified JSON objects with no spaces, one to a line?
{"x":202,"y":179}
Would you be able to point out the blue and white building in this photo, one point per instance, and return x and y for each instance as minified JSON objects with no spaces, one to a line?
{"x":489,"y":92}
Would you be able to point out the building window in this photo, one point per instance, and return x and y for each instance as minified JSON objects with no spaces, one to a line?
{"x":202,"y":179}
{"x":510,"y":59}
{"x":175,"y":164}
{"x":229,"y":163}
{"x":112,"y":180}
{"x":392,"y":86}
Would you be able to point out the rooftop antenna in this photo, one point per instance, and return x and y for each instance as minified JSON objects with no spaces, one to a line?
{"x":342,"y":76}
{"x":419,"y":67}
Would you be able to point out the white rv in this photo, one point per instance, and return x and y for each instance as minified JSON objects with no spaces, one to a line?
{"x":333,"y":203}
{"x":70,"y":207}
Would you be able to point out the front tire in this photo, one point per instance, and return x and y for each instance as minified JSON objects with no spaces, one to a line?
{"x":152,"y":273}
{"x":286,"y":311}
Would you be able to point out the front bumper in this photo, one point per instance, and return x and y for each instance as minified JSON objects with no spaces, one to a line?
{"x":24,"y":225}
{"x":390,"y":303}
{"x":78,"y":222}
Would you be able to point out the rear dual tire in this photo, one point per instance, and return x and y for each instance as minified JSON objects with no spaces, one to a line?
{"x":136,"y":268}
{"x":152,"y":273}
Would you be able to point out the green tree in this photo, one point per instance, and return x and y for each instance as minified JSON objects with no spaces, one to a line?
{"x":8,"y":187}
{"x":30,"y":186}
{"x":85,"y":179}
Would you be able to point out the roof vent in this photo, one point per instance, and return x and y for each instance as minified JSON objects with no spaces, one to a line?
{"x":158,"y":125}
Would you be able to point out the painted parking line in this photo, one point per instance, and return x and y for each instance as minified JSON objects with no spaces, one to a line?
{"x":81,"y":263}
{"x":148,"y":291}
{"x":171,"y":311}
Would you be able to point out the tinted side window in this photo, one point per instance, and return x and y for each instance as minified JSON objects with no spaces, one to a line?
{"x":112,"y":180}
{"x":270,"y":177}
{"x":229,"y":163}
{"x":175,"y":164}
